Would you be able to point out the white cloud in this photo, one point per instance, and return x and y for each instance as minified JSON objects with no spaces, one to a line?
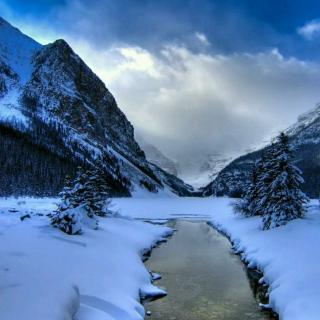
{"x":310,"y":30}
{"x":202,"y":38}
{"x":188,"y":103}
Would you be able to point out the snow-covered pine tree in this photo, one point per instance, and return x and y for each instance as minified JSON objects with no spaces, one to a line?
{"x":66,"y":218}
{"x":102,"y":181}
{"x":90,"y":193}
{"x":101,"y":196}
{"x":248,"y":205}
{"x":83,"y":200}
{"x":79,"y":187}
{"x":66,"y":195}
{"x":68,"y":221}
{"x":95,"y":191}
{"x":264,"y":180}
{"x":282,"y":198}
{"x":84,"y":197}
{"x":255,"y":195}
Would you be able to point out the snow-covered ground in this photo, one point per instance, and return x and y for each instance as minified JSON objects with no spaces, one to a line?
{"x":44,"y":274}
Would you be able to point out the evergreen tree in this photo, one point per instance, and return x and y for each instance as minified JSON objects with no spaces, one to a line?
{"x":102,"y":181}
{"x":254,"y":207}
{"x":265,"y":179}
{"x":72,"y":211}
{"x":249,"y":204}
{"x":282,"y":198}
{"x":83,"y":200}
{"x":66,"y":195}
{"x":84,"y":197}
{"x":96,"y":191}
{"x":79,"y":187}
{"x":101,"y":194}
{"x":66,"y":219}
{"x":90,"y":196}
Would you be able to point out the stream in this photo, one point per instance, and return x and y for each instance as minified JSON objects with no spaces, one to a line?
{"x":204,"y":279}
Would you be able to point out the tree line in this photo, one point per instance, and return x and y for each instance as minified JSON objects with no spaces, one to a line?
{"x":35,"y":159}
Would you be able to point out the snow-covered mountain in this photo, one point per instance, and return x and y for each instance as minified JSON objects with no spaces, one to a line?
{"x":305,"y":137}
{"x":196,"y":171}
{"x":56,"y":114}
{"x":199,"y":169}
{"x":154,"y":155}
{"x":214,"y":163}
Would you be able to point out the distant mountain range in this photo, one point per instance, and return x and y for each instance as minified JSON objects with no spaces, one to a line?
{"x":56,"y":114}
{"x":305,"y":137}
{"x":154,"y":155}
{"x":200,"y":169}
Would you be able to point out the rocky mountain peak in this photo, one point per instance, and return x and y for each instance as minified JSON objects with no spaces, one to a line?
{"x":65,"y":86}
{"x":17,"y":50}
{"x":65,"y":109}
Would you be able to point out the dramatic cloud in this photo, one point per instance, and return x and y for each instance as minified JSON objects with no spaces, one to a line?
{"x":194,"y":77}
{"x":310,"y":30}
{"x":230,"y":25}
{"x":188,"y":103}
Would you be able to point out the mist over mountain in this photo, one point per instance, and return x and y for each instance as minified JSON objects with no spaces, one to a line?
{"x":154,"y":155}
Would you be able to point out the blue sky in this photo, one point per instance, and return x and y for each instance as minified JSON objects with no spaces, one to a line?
{"x":194,"y":77}
{"x":232,"y":25}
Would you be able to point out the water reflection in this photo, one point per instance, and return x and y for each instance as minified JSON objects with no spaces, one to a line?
{"x":202,"y":276}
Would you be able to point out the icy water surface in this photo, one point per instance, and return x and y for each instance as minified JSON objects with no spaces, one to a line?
{"x":203,"y":278}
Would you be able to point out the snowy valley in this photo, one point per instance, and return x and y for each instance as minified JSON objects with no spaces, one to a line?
{"x":87,"y":204}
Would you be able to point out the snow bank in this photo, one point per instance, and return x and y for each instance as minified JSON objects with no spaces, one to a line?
{"x":45,"y":274}
{"x":287,"y":256}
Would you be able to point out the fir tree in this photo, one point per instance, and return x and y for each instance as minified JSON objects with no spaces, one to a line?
{"x":68,"y":221}
{"x":96,"y":191}
{"x":83,"y":200}
{"x":103,"y":184}
{"x":101,"y":194}
{"x":79,"y":187}
{"x":282,"y":198}
{"x":249,"y":204}
{"x":66,"y":195}
{"x":84,"y":191}
{"x":72,"y":211}
{"x":90,"y":196}
{"x":254,"y":191}
{"x":265,"y":179}
{"x":65,"y":218}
